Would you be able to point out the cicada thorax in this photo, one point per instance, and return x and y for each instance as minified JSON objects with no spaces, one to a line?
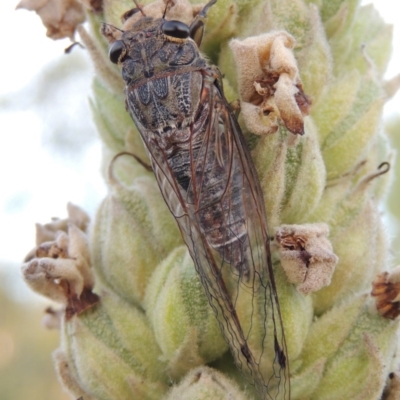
{"x":164,"y":78}
{"x":208,"y":180}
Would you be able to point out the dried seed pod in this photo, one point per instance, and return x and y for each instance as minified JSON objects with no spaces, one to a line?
{"x":61,"y":270}
{"x":306,"y":255}
{"x":386,"y":290}
{"x":60,"y":17}
{"x":269,"y":83}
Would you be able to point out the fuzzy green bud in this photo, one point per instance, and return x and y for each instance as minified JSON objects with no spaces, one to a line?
{"x":123,"y":259}
{"x":175,"y":294}
{"x":112,"y":353}
{"x":205,"y":383}
{"x":353,"y":349}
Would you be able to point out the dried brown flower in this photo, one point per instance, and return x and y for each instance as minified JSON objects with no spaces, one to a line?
{"x":386,"y":290}
{"x":61,"y":269}
{"x":306,"y":255}
{"x":269,"y":83}
{"x":60,"y":17}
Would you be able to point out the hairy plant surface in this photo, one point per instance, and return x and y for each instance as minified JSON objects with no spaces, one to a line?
{"x":135,"y":322}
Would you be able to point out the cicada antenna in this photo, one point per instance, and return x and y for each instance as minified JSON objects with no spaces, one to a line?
{"x":112,"y":26}
{"x":139,"y":7}
{"x":110,"y":32}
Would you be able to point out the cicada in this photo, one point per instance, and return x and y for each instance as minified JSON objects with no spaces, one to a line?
{"x":208,"y":180}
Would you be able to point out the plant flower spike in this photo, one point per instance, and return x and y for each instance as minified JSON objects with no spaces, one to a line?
{"x":240,"y":252}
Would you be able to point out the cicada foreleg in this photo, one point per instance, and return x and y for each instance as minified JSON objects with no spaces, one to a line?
{"x":196,"y":28}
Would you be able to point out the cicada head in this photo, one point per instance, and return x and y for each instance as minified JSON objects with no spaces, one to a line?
{"x":150,"y":45}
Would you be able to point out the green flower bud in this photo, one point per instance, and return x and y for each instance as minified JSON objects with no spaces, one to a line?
{"x":124,"y":260}
{"x":112,"y":353}
{"x":314,"y":58}
{"x":338,"y":17}
{"x":295,"y":174}
{"x":205,"y":383}
{"x":305,"y":381}
{"x":333,"y":106}
{"x":348,"y":141}
{"x":96,"y":46}
{"x":297,"y":315}
{"x":352,"y":354}
{"x":356,"y":247}
{"x":357,"y":242}
{"x":328,"y":333}
{"x":270,"y":156}
{"x":305,"y":178}
{"x":66,"y":377}
{"x":175,"y":294}
{"x":369,"y":33}
{"x":114,"y":11}
{"x":362,"y":367}
{"x":112,"y":122}
{"x":222,"y":22}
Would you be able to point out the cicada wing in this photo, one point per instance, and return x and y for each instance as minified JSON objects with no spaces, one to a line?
{"x":235,"y":261}
{"x":220,"y":212}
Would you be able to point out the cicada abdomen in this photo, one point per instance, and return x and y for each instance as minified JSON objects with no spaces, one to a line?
{"x":208,"y":180}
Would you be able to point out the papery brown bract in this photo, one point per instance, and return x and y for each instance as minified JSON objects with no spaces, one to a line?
{"x":60,"y":17}
{"x":208,"y":180}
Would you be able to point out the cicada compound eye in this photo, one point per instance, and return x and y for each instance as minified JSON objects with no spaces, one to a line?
{"x":116,"y":50}
{"x":176,"y":29}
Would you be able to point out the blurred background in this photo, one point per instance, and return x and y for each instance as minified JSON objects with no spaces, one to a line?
{"x":49,"y":155}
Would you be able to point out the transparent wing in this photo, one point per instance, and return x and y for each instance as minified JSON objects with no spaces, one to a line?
{"x":211,"y":188}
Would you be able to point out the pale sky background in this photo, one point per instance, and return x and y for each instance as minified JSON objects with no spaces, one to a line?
{"x":39,"y":170}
